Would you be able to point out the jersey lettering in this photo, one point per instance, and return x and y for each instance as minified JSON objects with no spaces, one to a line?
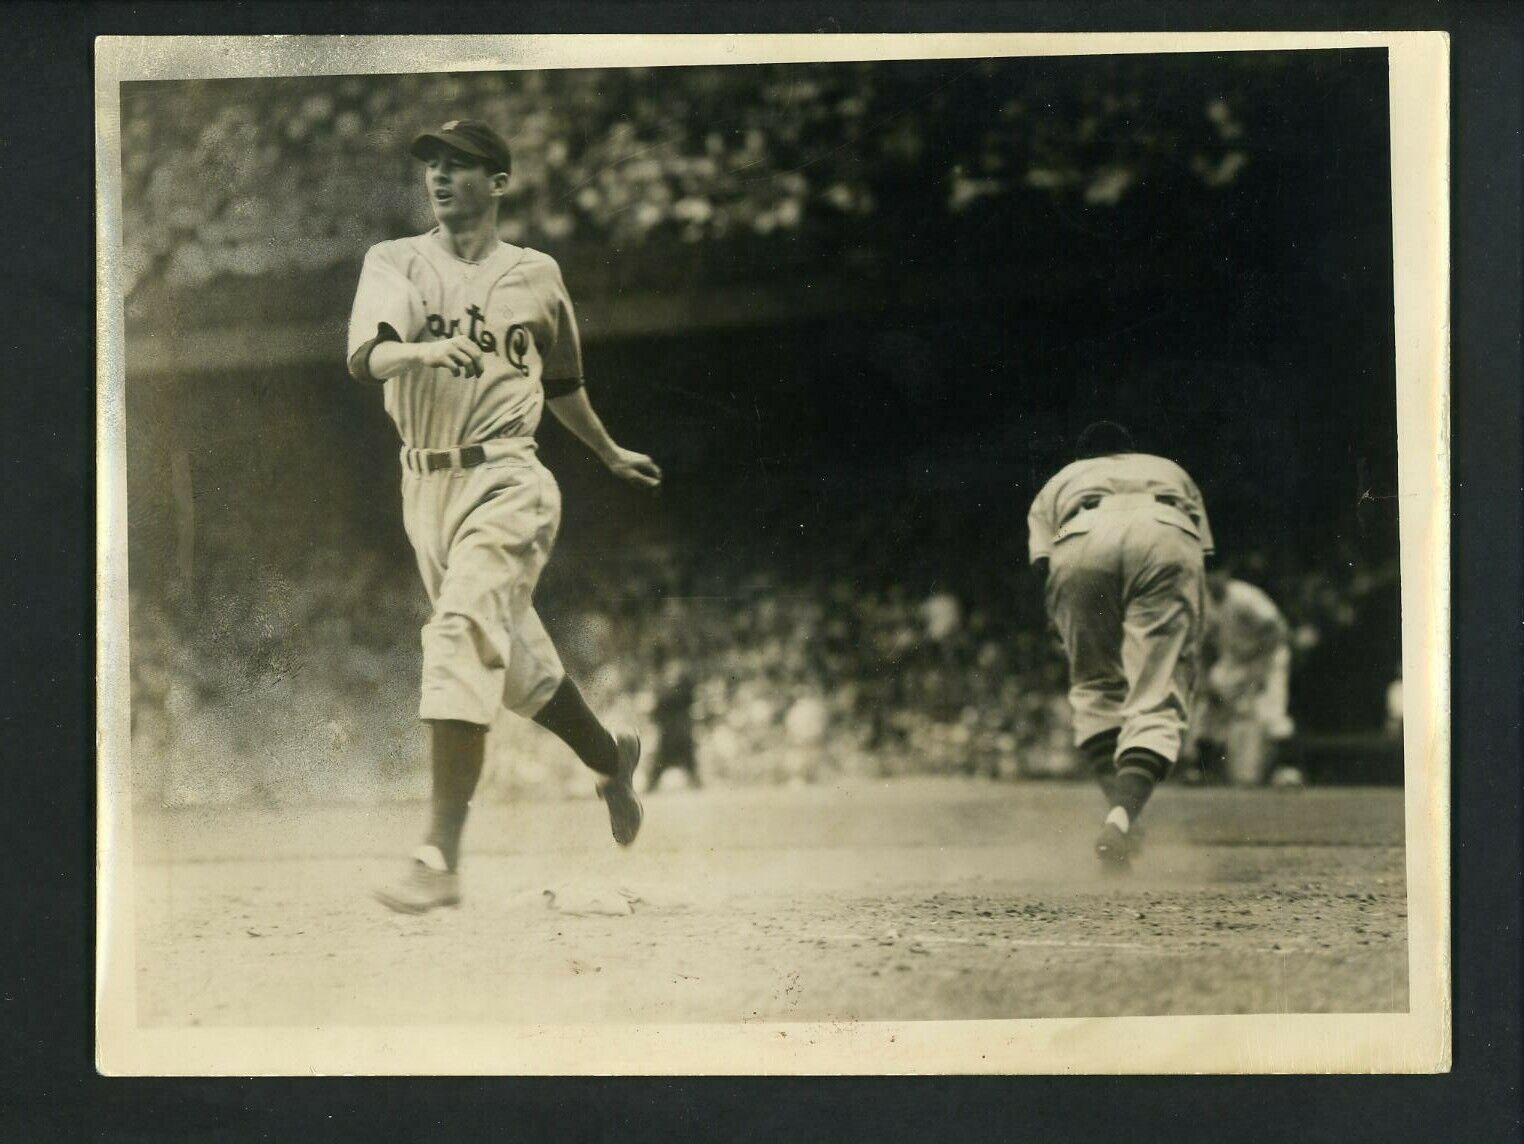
{"x":514,"y":343}
{"x":516,"y":346}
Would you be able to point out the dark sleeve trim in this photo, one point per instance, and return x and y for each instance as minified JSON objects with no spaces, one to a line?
{"x":560,"y":386}
{"x":359,"y":361}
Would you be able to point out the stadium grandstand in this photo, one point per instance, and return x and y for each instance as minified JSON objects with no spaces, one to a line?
{"x":979,"y":253}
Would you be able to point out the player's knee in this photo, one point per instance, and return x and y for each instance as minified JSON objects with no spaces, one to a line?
{"x":527,"y":693}
{"x":462,"y":635}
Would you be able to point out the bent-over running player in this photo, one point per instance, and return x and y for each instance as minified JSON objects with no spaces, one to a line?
{"x":470,"y":338}
{"x":1121,"y":538}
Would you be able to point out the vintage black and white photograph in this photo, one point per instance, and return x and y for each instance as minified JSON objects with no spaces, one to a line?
{"x":750,"y":544}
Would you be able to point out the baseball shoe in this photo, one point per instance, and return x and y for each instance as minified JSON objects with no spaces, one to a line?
{"x":1114,"y":849}
{"x":618,"y":792}
{"x":425,"y":887}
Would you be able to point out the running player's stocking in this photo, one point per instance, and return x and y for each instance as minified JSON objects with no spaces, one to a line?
{"x":568,"y":717}
{"x":1138,"y":771}
{"x":458,"y":750}
{"x":1099,"y":750}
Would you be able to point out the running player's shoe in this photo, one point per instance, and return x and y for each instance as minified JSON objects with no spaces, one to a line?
{"x":618,"y":792}
{"x":426,"y":886}
{"x":1114,"y":848}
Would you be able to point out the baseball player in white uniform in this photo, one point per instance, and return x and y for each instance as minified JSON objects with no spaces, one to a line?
{"x":470,"y":338}
{"x":1244,"y":697}
{"x":1121,"y":538}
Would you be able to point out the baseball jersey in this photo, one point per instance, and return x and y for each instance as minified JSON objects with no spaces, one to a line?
{"x":1086,"y":483}
{"x":1246,"y":625}
{"x":512,"y":304}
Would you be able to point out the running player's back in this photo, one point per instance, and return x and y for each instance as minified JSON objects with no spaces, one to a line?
{"x":1091,"y":479}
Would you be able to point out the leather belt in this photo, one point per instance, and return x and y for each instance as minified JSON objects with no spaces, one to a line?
{"x":432,"y":460}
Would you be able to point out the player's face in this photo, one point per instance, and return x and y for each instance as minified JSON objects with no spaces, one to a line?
{"x":459,"y":187}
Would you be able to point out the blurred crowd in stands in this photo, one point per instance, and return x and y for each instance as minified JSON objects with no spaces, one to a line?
{"x":248,"y":178}
{"x":304,"y":686}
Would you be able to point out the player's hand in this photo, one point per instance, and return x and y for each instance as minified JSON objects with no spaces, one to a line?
{"x":636,"y":468}
{"x":460,"y":355}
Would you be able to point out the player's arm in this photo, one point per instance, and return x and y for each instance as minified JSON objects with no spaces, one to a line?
{"x":386,"y":319}
{"x":384,"y":357}
{"x":564,"y":392}
{"x":576,"y":412}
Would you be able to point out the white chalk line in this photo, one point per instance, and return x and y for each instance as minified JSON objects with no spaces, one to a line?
{"x":906,"y":941}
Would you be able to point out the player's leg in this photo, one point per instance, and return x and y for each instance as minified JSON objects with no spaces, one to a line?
{"x":450,"y":705}
{"x":1248,"y":752}
{"x":1275,"y":696}
{"x":456,"y":751}
{"x":1099,"y":753}
{"x":1160,"y":643}
{"x":1280,"y":767}
{"x":1084,"y":602}
{"x":1234,"y":686}
{"x":567,"y":716}
{"x":536,"y":685}
{"x":472,"y":544}
{"x":555,"y":702}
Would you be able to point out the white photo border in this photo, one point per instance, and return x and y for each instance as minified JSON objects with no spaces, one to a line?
{"x":1417,"y":1041}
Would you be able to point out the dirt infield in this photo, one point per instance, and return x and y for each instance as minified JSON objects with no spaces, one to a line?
{"x":902,"y":900}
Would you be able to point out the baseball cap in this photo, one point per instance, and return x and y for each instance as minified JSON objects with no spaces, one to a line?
{"x":468,"y":136}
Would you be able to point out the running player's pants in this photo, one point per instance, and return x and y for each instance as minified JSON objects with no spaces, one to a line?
{"x":482,"y":537}
{"x":1125,"y":590}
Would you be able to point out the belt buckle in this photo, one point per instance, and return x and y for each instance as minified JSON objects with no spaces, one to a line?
{"x":462,"y":457}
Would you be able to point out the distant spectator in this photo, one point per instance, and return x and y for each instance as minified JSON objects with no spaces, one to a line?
{"x":672,"y":712}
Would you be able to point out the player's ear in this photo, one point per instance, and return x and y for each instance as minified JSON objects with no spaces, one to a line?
{"x":499,"y":184}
